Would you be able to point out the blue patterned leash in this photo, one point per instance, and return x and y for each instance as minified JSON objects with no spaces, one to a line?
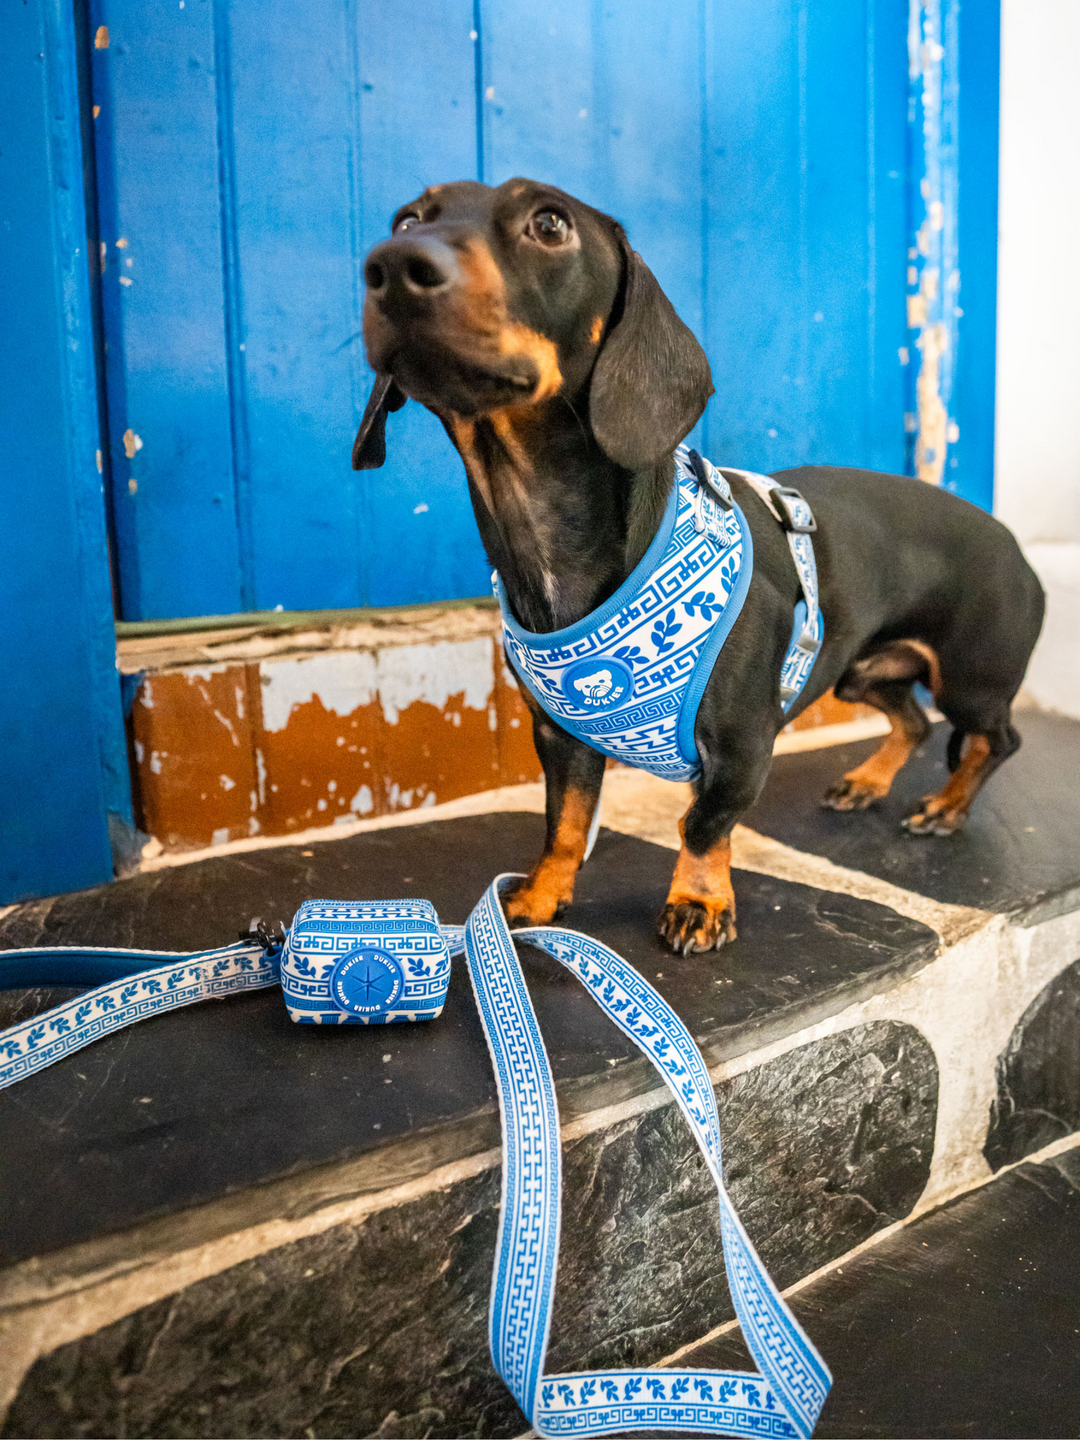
{"x":784,"y":1397}
{"x":137,"y":984}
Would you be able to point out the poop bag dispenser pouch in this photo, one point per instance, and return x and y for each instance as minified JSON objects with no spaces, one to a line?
{"x":366,"y":962}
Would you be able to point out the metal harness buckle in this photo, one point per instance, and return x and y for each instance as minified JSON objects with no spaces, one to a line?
{"x":783,"y":496}
{"x":718,"y":490}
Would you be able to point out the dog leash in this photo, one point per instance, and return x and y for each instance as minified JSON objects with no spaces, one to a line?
{"x":782,"y":1397}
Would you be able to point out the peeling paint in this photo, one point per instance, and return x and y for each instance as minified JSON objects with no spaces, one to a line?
{"x":933,"y":277}
{"x":342,"y":681}
{"x":362,"y":802}
{"x":434,"y":673}
{"x":132,"y":442}
{"x":101,"y":38}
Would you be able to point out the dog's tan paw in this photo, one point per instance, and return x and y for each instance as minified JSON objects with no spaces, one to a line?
{"x":690,"y":924}
{"x":935,"y":818}
{"x":536,"y":901}
{"x":852,"y":793}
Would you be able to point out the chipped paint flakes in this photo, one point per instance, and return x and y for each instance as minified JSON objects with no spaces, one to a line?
{"x":132,"y":442}
{"x":434,"y":674}
{"x":931,"y":445}
{"x":933,"y":277}
{"x":362,"y":802}
{"x":101,"y":38}
{"x":227,"y":782}
{"x":342,"y":682}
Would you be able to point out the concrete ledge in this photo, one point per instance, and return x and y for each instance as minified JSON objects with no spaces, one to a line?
{"x":337,"y":1281}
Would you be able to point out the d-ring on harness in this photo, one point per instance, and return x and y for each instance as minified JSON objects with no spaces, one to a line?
{"x":783,"y":1397}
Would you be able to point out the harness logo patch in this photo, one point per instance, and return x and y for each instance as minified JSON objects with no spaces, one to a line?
{"x":600,"y":684}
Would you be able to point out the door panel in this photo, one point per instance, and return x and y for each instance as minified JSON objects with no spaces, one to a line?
{"x":249,"y":155}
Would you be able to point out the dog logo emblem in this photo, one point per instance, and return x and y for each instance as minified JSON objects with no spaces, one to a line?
{"x":594,"y":688}
{"x":592,"y":685}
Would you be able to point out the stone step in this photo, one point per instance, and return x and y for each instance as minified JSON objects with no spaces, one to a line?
{"x":965,"y":1322}
{"x":217,"y":1223}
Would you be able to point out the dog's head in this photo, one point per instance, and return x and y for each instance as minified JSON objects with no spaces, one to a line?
{"x":490,"y":298}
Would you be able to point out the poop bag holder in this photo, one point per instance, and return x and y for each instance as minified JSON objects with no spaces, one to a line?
{"x":379,"y":962}
{"x":372,"y":963}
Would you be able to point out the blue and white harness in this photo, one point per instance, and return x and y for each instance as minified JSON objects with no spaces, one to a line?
{"x":628,"y":678}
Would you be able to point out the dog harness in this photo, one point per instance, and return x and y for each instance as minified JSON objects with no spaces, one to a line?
{"x":362,"y":959}
{"x":628,"y":678}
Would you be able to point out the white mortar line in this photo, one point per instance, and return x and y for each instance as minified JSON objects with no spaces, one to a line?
{"x":1038,"y":1157}
{"x":639,"y":804}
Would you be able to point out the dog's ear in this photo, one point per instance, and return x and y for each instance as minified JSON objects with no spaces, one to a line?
{"x":651,"y":380}
{"x":369,"y":447}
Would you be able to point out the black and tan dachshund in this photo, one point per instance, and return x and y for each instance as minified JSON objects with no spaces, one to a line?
{"x":565,"y":380}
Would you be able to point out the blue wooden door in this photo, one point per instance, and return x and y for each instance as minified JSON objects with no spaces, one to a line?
{"x":758,"y":151}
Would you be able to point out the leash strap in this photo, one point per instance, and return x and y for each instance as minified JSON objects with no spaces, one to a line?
{"x":138,"y":983}
{"x":785,"y":1395}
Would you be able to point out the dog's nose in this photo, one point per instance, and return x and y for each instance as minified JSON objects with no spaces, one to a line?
{"x":420,"y":267}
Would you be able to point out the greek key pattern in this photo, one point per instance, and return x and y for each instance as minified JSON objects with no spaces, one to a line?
{"x":206,"y":975}
{"x":523,"y":1283}
{"x":324,"y":930}
{"x":659,"y":634}
{"x":786,"y":1394}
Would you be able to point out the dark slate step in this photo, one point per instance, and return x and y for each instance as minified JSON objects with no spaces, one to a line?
{"x":1019,"y":853}
{"x":192,"y":1106}
{"x":380,"y":1328}
{"x":965,"y":1323}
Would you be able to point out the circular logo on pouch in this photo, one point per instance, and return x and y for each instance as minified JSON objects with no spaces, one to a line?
{"x":598,"y":684}
{"x":366,"y":981}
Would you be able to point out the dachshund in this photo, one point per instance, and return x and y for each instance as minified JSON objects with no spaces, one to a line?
{"x":565,"y":380}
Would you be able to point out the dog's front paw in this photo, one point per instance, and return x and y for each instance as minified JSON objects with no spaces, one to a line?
{"x":536,"y":901}
{"x":935,"y":817}
{"x":692,"y":924}
{"x":851,"y":792}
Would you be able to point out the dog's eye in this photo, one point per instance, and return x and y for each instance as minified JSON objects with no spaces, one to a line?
{"x":406,"y":223}
{"x":549,"y":227}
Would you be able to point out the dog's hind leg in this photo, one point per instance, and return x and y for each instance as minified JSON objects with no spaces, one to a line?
{"x":884,"y":680}
{"x":973,"y":759}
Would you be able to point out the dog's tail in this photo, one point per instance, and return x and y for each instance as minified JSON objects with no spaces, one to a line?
{"x":952,"y":754}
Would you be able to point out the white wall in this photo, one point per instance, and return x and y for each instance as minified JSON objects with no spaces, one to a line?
{"x":1037,"y":477}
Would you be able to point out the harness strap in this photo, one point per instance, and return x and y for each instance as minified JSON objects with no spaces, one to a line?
{"x":797,"y":519}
